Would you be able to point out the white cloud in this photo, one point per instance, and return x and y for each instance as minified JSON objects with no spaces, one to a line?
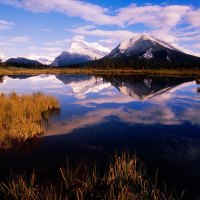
{"x":51,"y":49}
{"x":153,"y":15}
{"x":109,"y":41}
{"x":118,"y":35}
{"x":11,"y":2}
{"x":47,"y":30}
{"x":20,"y":40}
{"x":10,"y":44}
{"x":78,"y":37}
{"x":193,"y":17}
{"x":165,"y":34}
{"x":2,"y":56}
{"x":85,"y":10}
{"x":5,"y":25}
{"x":197,"y":45}
{"x":149,"y":15}
{"x":64,"y":42}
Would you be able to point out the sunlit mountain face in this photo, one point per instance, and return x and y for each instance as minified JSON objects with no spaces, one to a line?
{"x":158,"y":118}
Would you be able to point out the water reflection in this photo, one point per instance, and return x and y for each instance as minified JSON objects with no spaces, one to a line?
{"x":156,"y":117}
{"x":143,"y":87}
{"x":88,"y":100}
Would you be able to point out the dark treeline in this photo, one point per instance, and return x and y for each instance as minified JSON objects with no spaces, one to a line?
{"x":177,"y":62}
{"x":23,"y":65}
{"x":28,"y":65}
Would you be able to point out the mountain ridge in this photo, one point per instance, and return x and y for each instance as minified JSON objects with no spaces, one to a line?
{"x":23,"y":62}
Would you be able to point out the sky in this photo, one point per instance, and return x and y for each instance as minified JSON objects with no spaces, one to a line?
{"x":45,"y":28}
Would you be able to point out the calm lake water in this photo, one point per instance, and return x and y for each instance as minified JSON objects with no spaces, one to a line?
{"x":158,"y":118}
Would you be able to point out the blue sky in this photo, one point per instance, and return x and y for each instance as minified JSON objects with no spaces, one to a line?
{"x":44,"y":28}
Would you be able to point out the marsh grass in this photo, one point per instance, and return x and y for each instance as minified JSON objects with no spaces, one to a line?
{"x":20,"y":187}
{"x":124,"y":179}
{"x":22,"y":117}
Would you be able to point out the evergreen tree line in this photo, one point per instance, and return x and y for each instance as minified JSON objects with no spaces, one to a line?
{"x":139,"y":63}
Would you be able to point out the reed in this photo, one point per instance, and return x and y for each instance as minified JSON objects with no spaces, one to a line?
{"x":22,"y":117}
{"x":124,"y":179}
{"x":20,"y":187}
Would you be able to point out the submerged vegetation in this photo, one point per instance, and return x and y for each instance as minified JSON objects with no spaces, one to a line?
{"x":22,"y":117}
{"x":125,"y":179}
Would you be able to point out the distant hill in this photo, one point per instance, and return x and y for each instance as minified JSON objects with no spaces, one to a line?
{"x":23,"y":63}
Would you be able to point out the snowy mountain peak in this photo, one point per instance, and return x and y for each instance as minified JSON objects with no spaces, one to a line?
{"x":142,"y":45}
{"x":81,"y":51}
{"x":76,"y":45}
{"x":145,"y":37}
{"x":93,"y":50}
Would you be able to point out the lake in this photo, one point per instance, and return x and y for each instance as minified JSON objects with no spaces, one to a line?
{"x":158,"y":118}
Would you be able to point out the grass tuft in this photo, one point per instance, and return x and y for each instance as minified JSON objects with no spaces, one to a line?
{"x":22,"y":117}
{"x":124,"y":179}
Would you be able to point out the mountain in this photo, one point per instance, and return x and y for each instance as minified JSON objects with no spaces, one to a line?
{"x":79,"y":52}
{"x":146,"y":51}
{"x":22,"y":62}
{"x":144,"y":46}
{"x":44,"y":61}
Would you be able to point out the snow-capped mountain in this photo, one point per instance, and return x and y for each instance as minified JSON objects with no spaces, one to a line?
{"x":142,"y":45}
{"x":147,"y":47}
{"x":44,"y":61}
{"x":23,"y":61}
{"x":79,"y":52}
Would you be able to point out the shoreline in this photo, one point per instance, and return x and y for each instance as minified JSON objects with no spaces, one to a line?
{"x":163,"y":72}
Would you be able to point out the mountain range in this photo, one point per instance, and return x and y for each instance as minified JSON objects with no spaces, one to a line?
{"x":141,"y":51}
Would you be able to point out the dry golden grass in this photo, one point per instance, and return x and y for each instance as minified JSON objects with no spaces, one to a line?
{"x":22,"y":117}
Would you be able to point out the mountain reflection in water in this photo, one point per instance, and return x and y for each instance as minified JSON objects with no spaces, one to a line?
{"x":156,"y":117}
